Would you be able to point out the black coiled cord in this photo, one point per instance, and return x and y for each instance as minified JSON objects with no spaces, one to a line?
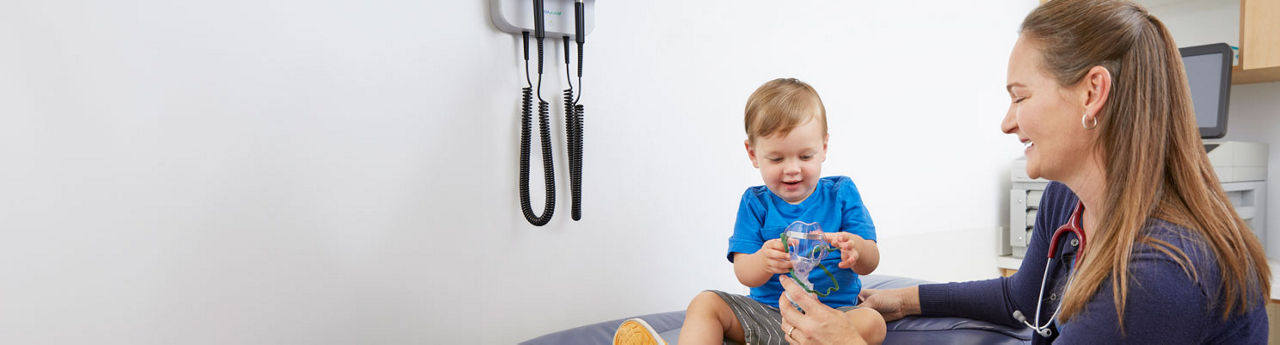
{"x":576,"y":172}
{"x":526,"y":97}
{"x":573,"y":131}
{"x":573,"y":134}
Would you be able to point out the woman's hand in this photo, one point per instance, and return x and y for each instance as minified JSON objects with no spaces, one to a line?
{"x":819,"y":324}
{"x":893,"y":304}
{"x":847,"y":244}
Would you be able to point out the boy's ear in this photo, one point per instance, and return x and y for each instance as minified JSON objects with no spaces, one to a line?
{"x":751,"y":153}
{"x":824,"y":146}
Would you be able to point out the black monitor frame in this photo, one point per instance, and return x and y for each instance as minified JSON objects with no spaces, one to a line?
{"x":1224,"y":90}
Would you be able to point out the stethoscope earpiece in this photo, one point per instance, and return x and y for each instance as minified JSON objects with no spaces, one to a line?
{"x":1045,"y":332}
{"x":1017,"y":315}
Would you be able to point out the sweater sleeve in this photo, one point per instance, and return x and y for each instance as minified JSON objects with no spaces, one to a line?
{"x":994,"y":300}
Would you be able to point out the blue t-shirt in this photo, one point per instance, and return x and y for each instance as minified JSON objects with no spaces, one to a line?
{"x":835,"y":205}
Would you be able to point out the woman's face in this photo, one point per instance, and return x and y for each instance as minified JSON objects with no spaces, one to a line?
{"x":1044,"y":116}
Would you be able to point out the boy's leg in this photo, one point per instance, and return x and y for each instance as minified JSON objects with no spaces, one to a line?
{"x":869,"y":323}
{"x":708,"y":320}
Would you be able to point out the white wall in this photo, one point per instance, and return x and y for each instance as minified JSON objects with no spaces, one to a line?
{"x":336,"y":172}
{"x":1254,"y":115}
{"x":1197,"y":22}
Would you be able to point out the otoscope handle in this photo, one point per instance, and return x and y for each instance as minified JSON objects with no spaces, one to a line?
{"x":526,"y":45}
{"x":566,"y":49}
{"x":539,"y":29}
{"x":580,"y":16}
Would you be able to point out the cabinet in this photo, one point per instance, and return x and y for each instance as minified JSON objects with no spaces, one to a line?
{"x":1259,"y":42}
{"x":1248,"y":198}
{"x":1024,"y":202}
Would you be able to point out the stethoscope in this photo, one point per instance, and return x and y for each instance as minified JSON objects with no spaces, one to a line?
{"x":1072,"y":226}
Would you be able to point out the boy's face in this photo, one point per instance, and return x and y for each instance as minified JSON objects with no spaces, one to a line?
{"x":791,"y":165}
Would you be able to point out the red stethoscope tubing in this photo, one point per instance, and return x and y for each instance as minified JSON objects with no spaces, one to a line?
{"x":1072,"y":226}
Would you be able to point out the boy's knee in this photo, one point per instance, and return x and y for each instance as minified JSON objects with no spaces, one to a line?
{"x":870,"y":324}
{"x":709,"y":306}
{"x":707,"y":300}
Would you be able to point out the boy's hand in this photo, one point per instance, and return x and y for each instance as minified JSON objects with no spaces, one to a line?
{"x":847,"y":244}
{"x":774,"y":257}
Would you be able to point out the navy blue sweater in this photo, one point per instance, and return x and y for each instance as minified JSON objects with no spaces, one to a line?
{"x":1164,"y":306}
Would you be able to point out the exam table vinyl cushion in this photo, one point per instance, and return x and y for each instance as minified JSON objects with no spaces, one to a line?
{"x":908,"y":330}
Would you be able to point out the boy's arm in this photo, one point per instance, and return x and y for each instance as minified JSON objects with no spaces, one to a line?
{"x":749,"y":269}
{"x":868,"y":256}
{"x":856,"y":253}
{"x":753,"y":270}
{"x":857,"y":229}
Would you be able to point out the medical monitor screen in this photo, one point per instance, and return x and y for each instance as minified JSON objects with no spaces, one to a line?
{"x":1208,"y":70}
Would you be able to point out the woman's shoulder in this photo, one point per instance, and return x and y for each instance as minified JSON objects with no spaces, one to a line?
{"x":1158,"y":232}
{"x":1169,"y":253}
{"x":1167,"y":299}
{"x":1173,"y":271}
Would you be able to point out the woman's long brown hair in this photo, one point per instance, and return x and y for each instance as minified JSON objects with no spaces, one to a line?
{"x":1151,"y":151}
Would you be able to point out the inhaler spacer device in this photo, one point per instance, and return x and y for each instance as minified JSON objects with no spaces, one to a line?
{"x":807,"y":246}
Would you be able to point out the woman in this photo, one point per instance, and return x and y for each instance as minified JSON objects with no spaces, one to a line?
{"x":1101,"y":102}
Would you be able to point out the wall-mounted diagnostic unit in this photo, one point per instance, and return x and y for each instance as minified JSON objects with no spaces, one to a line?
{"x":562,"y":20}
{"x":516,"y":16}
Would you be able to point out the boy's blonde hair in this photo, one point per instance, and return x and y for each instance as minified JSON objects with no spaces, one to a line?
{"x":780,"y":105}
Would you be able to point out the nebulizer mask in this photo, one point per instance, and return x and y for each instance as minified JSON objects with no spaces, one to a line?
{"x":807,"y":246}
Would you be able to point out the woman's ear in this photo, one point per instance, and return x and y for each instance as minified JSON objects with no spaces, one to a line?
{"x":1097,"y":85}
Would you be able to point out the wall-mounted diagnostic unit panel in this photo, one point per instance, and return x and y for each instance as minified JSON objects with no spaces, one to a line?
{"x":516,"y":16}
